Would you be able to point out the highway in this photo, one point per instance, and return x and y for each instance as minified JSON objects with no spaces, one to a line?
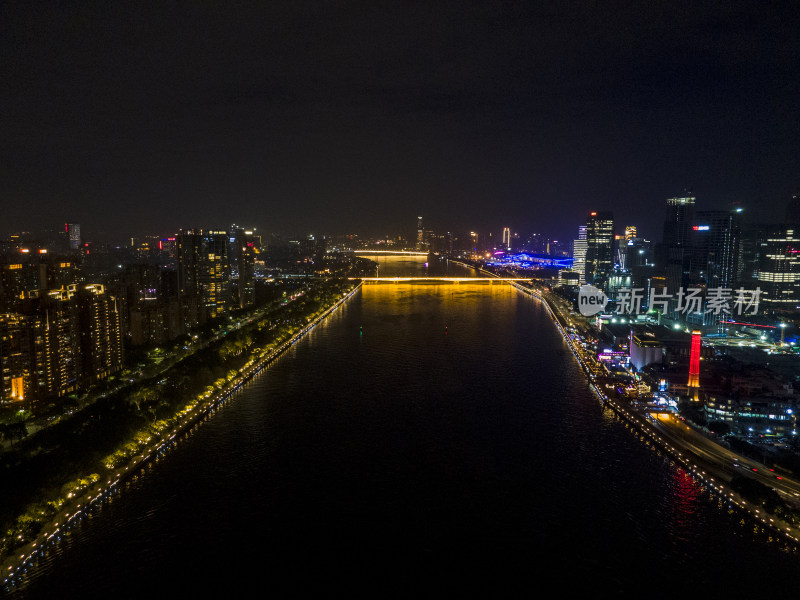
{"x":724,"y":462}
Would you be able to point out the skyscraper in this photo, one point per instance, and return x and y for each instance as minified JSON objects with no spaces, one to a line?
{"x":677,"y":225}
{"x":204,"y":268}
{"x":579,"y":254}
{"x":715,"y":248}
{"x":73,"y":231}
{"x":215,"y":273}
{"x":420,"y":236}
{"x":245,"y":266}
{"x":507,"y":238}
{"x":779,"y":268}
{"x":100,"y":337}
{"x":673,"y":258}
{"x":599,"y":247}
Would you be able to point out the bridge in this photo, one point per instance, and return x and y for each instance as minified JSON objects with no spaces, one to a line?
{"x":406,"y":252}
{"x":437,"y":279}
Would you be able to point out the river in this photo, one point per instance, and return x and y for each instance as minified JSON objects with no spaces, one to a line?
{"x":425,"y":438}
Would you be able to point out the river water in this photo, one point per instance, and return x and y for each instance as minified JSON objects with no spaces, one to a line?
{"x":425,"y":438}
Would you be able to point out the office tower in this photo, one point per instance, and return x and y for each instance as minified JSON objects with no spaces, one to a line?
{"x":639,"y":261}
{"x":752,"y":238}
{"x":677,"y":225}
{"x":420,"y":236}
{"x":215,"y":273}
{"x":673,"y":256}
{"x":715,"y":248}
{"x":579,"y":254}
{"x":599,"y":247}
{"x":507,"y":238}
{"x":188,"y":250}
{"x":630,"y":232}
{"x":779,"y":268}
{"x":168,"y":247}
{"x":73,"y":231}
{"x":100,"y":337}
{"x":245,"y":266}
{"x":203,"y":274}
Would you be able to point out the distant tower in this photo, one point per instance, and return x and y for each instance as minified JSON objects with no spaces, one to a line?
{"x":420,"y":236}
{"x":507,"y":238}
{"x":73,"y":235}
{"x":630,"y":232}
{"x":694,"y":366}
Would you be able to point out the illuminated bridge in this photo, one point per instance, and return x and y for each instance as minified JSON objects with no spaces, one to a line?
{"x":436,"y":279}
{"x":407,"y":252}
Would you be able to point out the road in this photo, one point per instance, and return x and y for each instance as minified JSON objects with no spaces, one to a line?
{"x":722,"y":461}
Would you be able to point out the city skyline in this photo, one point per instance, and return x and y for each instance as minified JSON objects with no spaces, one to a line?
{"x":399,"y":297}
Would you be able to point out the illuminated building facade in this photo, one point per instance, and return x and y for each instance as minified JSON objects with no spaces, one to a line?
{"x":507,"y":238}
{"x":779,"y":268}
{"x":420,"y":236}
{"x":100,"y":337}
{"x":215,"y":273}
{"x":55,"y":340}
{"x":73,"y":231}
{"x":715,"y":248}
{"x":245,"y":265}
{"x":15,"y":359}
{"x":204,"y":269}
{"x":579,"y":254}
{"x":599,"y":247}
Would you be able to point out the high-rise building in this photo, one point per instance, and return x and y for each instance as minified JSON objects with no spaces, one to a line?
{"x":73,"y":231}
{"x":715,"y":248}
{"x":630,"y":232}
{"x":677,"y":225}
{"x":215,"y":273}
{"x":245,"y":266}
{"x":507,"y":238}
{"x":54,"y":328}
{"x":16,"y":383}
{"x":188,"y":250}
{"x":420,"y":236}
{"x":579,"y":254}
{"x":599,"y":247}
{"x":204,"y":269}
{"x":779,"y":268}
{"x":673,"y":256}
{"x":100,"y":336}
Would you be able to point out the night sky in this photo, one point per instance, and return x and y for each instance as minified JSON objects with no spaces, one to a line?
{"x":299,"y":117}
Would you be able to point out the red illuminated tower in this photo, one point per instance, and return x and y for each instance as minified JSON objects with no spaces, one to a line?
{"x":694,"y":366}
